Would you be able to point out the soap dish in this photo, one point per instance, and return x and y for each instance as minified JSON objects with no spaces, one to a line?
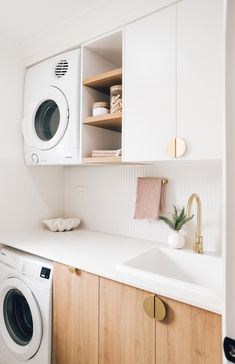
{"x":61,"y":224}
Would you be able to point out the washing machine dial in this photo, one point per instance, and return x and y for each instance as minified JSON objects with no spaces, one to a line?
{"x":34,"y":158}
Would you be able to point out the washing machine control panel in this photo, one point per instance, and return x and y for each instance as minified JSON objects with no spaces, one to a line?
{"x":35,"y":158}
{"x":45,"y":273}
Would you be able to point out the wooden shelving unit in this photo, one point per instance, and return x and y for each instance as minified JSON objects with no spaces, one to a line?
{"x":102,"y":160}
{"x":106,"y":121}
{"x":103,"y":81}
{"x":102,"y":69}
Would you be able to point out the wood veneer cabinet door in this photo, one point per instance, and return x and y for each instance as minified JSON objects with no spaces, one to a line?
{"x":188,"y":335}
{"x":75,"y":316}
{"x":126,"y":333}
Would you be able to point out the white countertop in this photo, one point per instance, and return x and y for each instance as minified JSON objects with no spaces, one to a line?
{"x":99,"y":253}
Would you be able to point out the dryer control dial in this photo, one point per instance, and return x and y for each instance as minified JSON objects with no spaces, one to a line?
{"x":34,"y":158}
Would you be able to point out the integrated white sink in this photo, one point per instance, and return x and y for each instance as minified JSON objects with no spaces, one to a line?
{"x":180,"y":274}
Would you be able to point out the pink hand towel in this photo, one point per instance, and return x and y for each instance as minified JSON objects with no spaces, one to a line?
{"x":149,"y":198}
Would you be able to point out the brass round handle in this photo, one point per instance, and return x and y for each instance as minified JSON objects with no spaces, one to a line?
{"x":149,"y":306}
{"x":180,"y":147}
{"x":176,"y":148}
{"x":72,"y":270}
{"x":171,"y":148}
{"x":160,"y":309}
{"x":154,"y":308}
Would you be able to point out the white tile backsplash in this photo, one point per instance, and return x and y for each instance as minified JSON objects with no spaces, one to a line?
{"x":104,"y":197}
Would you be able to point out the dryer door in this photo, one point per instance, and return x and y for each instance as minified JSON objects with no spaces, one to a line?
{"x":46,"y":119}
{"x":20,"y":319}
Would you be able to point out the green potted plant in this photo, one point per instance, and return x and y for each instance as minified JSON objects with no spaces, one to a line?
{"x":176,"y":222}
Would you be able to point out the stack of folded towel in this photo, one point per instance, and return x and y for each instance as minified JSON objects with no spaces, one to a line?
{"x":106,"y":153}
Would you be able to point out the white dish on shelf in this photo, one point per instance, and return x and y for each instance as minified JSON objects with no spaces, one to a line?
{"x":100,"y":111}
{"x":60,"y":224}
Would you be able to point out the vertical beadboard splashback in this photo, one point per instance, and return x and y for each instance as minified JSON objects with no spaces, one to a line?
{"x":104,"y":197}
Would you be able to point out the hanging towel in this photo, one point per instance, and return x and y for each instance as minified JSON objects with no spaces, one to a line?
{"x":149,"y":198}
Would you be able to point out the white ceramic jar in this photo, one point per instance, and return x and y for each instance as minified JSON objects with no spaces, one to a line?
{"x":100,"y":108}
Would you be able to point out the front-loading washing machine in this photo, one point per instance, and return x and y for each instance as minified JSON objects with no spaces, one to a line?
{"x":50,"y":124}
{"x":25,"y":308}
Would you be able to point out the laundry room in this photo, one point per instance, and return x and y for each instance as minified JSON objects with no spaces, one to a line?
{"x":117,"y":182}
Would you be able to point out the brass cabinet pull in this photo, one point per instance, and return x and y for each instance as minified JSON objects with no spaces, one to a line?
{"x":180,"y":147}
{"x":154,"y":308}
{"x":160,"y":309}
{"x":149,"y":306}
{"x":72,"y":269}
{"x":171,"y":148}
{"x":176,"y":148}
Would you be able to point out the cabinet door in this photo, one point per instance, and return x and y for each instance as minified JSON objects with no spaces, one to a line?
{"x":126,"y":334}
{"x":150,"y":86}
{"x":200,"y":77}
{"x":188,"y":335}
{"x":75,"y":316}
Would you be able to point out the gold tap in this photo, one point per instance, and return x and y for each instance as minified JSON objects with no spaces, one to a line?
{"x":198,"y":246}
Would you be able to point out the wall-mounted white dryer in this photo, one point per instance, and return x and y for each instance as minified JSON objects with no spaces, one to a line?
{"x":50,"y":124}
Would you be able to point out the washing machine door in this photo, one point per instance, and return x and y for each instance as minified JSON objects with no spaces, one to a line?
{"x":46,"y":119}
{"x":20,"y":319}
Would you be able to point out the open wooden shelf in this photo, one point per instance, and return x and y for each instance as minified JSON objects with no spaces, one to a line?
{"x":106,"y":121}
{"x":102,"y":160}
{"x":104,"y":81}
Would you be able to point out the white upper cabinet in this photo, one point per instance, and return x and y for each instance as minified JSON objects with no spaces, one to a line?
{"x":174,"y":82}
{"x":200,"y":77}
{"x":150,"y":86}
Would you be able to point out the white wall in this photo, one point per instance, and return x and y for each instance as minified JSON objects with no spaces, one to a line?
{"x":230,"y":173}
{"x":26,"y":194}
{"x":104,"y":197}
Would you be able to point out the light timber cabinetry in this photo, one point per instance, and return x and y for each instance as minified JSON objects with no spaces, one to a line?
{"x":75,"y":316}
{"x":97,"y":320}
{"x":188,"y":335}
{"x":126,"y":333}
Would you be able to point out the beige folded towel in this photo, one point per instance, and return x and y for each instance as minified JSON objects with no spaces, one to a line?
{"x":149,"y":198}
{"x":106,"y":153}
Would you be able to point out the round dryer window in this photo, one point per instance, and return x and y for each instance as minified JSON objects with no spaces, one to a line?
{"x":20,"y":320}
{"x":46,"y":118}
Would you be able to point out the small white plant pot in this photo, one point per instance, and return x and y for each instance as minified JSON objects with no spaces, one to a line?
{"x":176,"y":240}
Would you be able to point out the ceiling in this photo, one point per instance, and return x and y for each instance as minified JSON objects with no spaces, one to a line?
{"x":40,"y":29}
{"x":25,"y":20}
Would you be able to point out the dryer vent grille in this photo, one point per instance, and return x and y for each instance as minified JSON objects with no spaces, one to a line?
{"x":61,"y":68}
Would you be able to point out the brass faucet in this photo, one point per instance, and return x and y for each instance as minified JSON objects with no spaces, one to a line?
{"x":198,"y":246}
